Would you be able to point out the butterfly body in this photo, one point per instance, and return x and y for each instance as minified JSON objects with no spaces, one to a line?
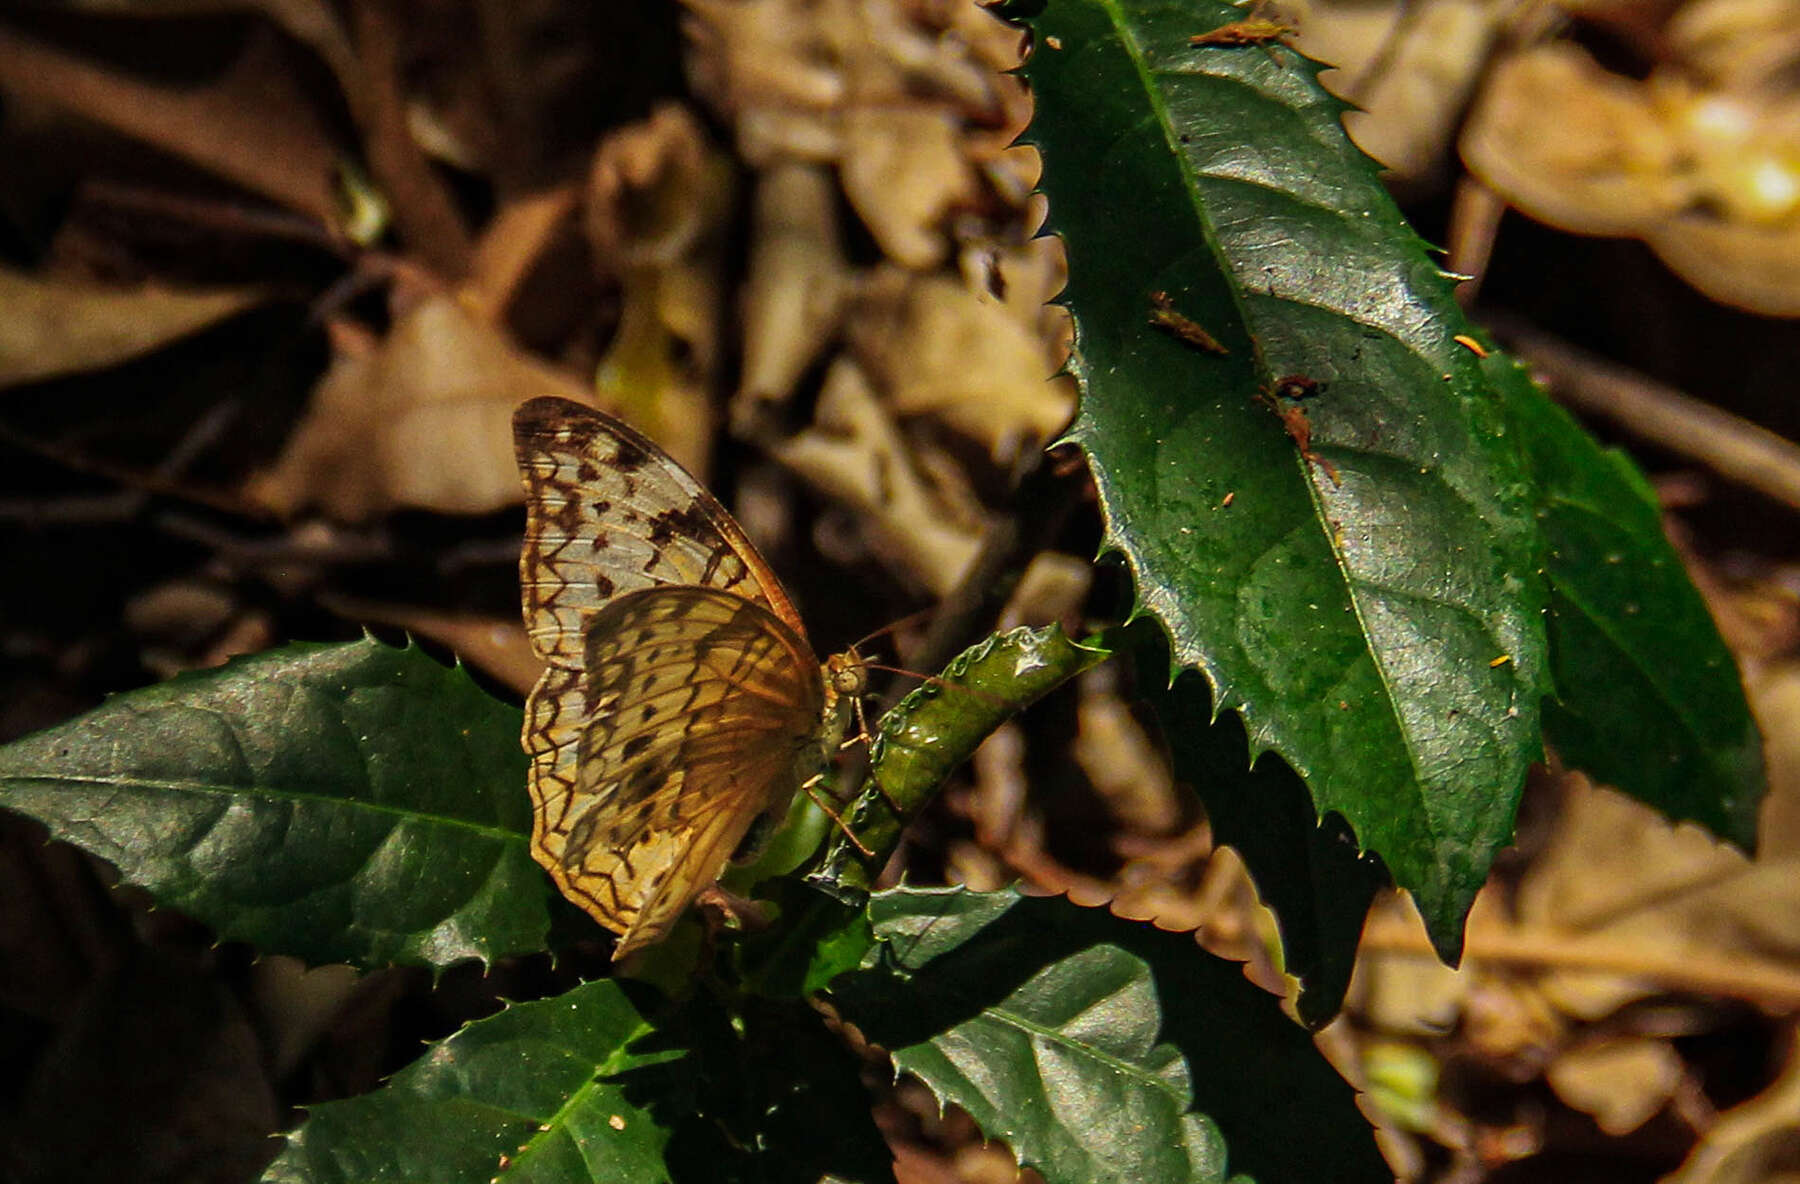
{"x":680,"y":699}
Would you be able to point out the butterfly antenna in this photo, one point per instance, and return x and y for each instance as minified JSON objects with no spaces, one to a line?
{"x":891,"y":627}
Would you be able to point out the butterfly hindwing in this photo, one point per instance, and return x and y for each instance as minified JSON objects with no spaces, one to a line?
{"x":703,"y":711}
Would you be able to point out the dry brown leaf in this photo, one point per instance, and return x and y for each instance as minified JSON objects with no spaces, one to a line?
{"x":1628,"y":888}
{"x":1408,"y":996}
{"x":1426,"y":60}
{"x":1027,"y":278}
{"x":1053,"y":589}
{"x":1573,"y":144}
{"x":1122,"y":763}
{"x":498,"y":647}
{"x":1701,"y":160}
{"x":511,"y":245}
{"x":1775,"y":696}
{"x":1738,"y":44}
{"x":1754,"y":267}
{"x":882,"y":90}
{"x":937,"y":348}
{"x":658,"y":199}
{"x":53,"y":327}
{"x":854,"y":454}
{"x":904,"y":169}
{"x":797,"y":285}
{"x":421,"y":420}
{"x":250,"y":125}
{"x":297,"y":1005}
{"x":1621,"y":1081}
{"x":758,"y":53}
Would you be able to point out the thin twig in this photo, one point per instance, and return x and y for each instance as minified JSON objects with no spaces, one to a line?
{"x":1731,"y":975}
{"x":1041,"y":502}
{"x":1733,"y":447}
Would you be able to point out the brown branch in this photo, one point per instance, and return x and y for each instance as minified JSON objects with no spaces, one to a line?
{"x":1724,"y":973}
{"x":1731,"y":446}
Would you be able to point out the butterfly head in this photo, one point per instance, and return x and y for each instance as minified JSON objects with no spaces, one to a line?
{"x":846,"y":682}
{"x":845,"y":675}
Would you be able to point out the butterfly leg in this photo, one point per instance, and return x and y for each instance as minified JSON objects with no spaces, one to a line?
{"x":725,"y":910}
{"x":819,"y":801}
{"x":867,"y":739}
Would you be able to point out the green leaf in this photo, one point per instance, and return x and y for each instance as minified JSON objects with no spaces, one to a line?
{"x":536,"y":1087}
{"x":1647,"y":696}
{"x":607,"y":1082}
{"x":919,"y":742}
{"x":1098,"y":1048}
{"x":937,"y":727}
{"x":768,"y":1096}
{"x":1381,"y":631}
{"x":341,"y":803}
{"x":1307,"y":870}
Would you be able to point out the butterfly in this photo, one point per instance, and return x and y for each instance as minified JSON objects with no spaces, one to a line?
{"x":680,"y":699}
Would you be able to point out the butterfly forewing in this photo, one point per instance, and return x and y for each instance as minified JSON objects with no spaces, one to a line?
{"x":608,"y":512}
{"x":704,"y":711}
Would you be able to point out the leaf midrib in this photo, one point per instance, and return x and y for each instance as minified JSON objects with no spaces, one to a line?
{"x":212,"y":789}
{"x":1171,"y":143}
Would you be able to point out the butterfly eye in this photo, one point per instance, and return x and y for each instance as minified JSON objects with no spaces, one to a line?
{"x":848,"y":678}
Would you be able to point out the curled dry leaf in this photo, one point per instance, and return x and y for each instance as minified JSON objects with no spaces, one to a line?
{"x":1610,"y":167}
{"x":904,"y":170}
{"x":1410,"y":71}
{"x":937,"y":348}
{"x":656,"y":191}
{"x":876,"y":88}
{"x":895,"y":111}
{"x":658,"y":199}
{"x":854,"y":453}
{"x":798,"y":281}
{"x":1701,"y":160}
{"x":422,"y":419}
{"x":1622,"y":1081}
{"x":53,"y":327}
{"x":1024,"y":279}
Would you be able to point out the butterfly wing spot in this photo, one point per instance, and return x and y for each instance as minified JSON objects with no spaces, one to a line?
{"x":640,"y":783}
{"x":581,"y":837}
{"x":630,"y":455}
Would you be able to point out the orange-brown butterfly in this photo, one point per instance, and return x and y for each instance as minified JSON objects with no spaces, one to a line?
{"x":681,"y":700}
